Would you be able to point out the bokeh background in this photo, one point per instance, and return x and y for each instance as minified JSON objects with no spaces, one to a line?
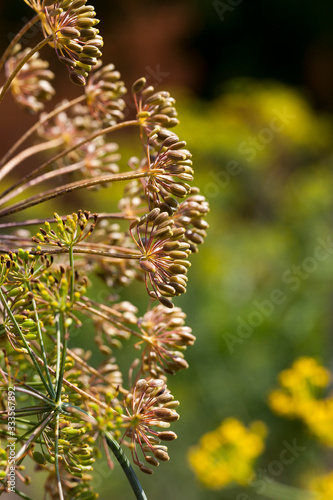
{"x":254,"y":88}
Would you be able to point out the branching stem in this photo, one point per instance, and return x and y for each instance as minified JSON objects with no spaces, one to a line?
{"x":20,"y":65}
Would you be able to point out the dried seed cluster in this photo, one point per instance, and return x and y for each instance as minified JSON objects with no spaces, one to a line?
{"x":75,"y":408}
{"x":164,"y":255}
{"x":150,"y":405}
{"x":32,"y":86}
{"x":75,"y":38}
{"x":104,"y":93}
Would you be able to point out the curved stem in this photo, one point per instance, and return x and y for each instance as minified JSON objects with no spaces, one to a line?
{"x":44,"y":118}
{"x":34,"y":435}
{"x":68,"y":188}
{"x":37,"y":222}
{"x":25,"y":343}
{"x":89,"y":251}
{"x":118,"y":453}
{"x":56,"y":453}
{"x":21,"y":64}
{"x":71,"y":263}
{"x":38,"y":180}
{"x":41,"y":342}
{"x":57,"y":157}
{"x":113,"y":321}
{"x":38,"y":148}
{"x":61,"y":354}
{"x":16,"y":38}
{"x":126,"y":466}
{"x":22,"y":495}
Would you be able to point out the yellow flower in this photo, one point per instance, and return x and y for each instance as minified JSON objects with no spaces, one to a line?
{"x":323,"y":485}
{"x":298,"y":397}
{"x":228,"y":453}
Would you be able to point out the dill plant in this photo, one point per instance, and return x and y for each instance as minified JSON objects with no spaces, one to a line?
{"x":57,"y":409}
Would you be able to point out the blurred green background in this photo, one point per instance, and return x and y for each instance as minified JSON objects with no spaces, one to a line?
{"x":253,"y":82}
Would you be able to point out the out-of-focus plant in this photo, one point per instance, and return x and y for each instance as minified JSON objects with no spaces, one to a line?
{"x":299,"y":397}
{"x":57,"y":408}
{"x":228,"y":453}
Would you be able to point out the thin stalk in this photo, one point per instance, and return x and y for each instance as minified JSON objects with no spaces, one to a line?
{"x":126,"y":466}
{"x":58,"y":344}
{"x":26,"y":345}
{"x":22,"y":495}
{"x":38,"y":180}
{"x":118,"y":453}
{"x":56,"y":452}
{"x":89,"y":251}
{"x":27,"y":388}
{"x":113,"y":321}
{"x":34,"y":435}
{"x":38,"y":47}
{"x":68,"y":188}
{"x":26,"y":153}
{"x":41,"y":342}
{"x":37,"y":222}
{"x":16,"y":38}
{"x":71,"y":263}
{"x":35,"y":425}
{"x":62,"y":339}
{"x":82,"y":393}
{"x":89,"y":138}
{"x":32,"y":413}
{"x":35,"y":127}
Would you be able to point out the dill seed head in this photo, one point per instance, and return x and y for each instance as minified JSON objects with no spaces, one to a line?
{"x":32,"y":86}
{"x":145,"y":410}
{"x":164,"y":337}
{"x":75,"y":38}
{"x":155,"y":232}
{"x":104,"y":91}
{"x":191,"y":215}
{"x":154,"y":108}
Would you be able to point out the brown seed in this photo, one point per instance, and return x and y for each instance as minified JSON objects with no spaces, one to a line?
{"x":167,"y":435}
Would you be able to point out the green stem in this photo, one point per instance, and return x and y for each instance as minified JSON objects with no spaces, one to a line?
{"x":16,"y":38}
{"x":56,"y":452}
{"x":68,"y":188}
{"x":61,"y":340}
{"x":126,"y":466}
{"x":71,"y":263}
{"x":21,"y":64}
{"x":35,"y":426}
{"x":26,"y":345}
{"x":119,"y":454}
{"x":41,"y":342}
{"x":22,"y":495}
{"x":34,"y":435}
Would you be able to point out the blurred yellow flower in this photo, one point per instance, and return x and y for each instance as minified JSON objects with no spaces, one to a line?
{"x":323,"y":485}
{"x":228,"y":453}
{"x":298,"y":397}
